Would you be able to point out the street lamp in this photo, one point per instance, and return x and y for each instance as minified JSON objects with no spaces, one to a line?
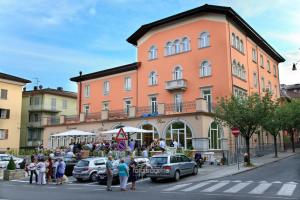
{"x":294,"y":65}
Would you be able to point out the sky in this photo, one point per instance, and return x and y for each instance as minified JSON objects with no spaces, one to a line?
{"x":50,"y":41}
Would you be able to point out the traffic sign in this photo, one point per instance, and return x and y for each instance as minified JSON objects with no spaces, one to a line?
{"x":121,"y":135}
{"x":235,"y":131}
{"x":121,"y":145}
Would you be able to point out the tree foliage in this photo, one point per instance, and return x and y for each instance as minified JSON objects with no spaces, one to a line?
{"x":11,"y":164}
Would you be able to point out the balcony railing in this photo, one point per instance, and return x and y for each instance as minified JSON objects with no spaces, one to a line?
{"x":176,"y":84}
{"x":146,"y":111}
{"x":93,"y":116}
{"x":71,"y":119}
{"x":183,"y":107}
{"x":35,"y":124}
{"x":46,"y":108}
{"x":118,"y":114}
{"x":53,"y":120}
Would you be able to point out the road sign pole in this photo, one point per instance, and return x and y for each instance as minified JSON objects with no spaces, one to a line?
{"x":238,"y":153}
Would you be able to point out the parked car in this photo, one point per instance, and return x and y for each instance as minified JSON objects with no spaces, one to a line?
{"x":4,"y":160}
{"x":86,"y":169}
{"x":143,"y":163}
{"x":171,"y":166}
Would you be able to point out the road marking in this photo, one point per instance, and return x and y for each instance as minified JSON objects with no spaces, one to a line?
{"x":287,"y":189}
{"x":176,"y":187}
{"x":261,"y":188}
{"x":197,"y":186}
{"x":238,"y":187}
{"x":216,"y":187}
{"x":237,"y":181}
{"x":52,"y":187}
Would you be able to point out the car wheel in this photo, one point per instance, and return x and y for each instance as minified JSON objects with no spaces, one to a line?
{"x":153,"y":179}
{"x":195,"y":170}
{"x":177,"y":176}
{"x":93,"y":177}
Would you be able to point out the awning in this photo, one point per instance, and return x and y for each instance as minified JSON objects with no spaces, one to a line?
{"x":73,"y":132}
{"x":128,"y":129}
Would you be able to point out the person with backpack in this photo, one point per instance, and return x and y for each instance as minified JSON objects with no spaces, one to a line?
{"x":60,"y":172}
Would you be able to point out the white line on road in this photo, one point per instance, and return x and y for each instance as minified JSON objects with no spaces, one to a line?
{"x":216,"y":187}
{"x":197,"y":186}
{"x":238,"y":187}
{"x":287,"y":189}
{"x":261,"y":188}
{"x":176,"y":187}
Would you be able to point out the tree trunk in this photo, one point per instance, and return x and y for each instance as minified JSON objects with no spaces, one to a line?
{"x":248,"y":149}
{"x":292,"y":140}
{"x":275,"y":145}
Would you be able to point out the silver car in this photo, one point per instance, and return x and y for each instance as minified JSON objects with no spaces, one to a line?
{"x":4,"y":160}
{"x":86,"y":169}
{"x":171,"y":166}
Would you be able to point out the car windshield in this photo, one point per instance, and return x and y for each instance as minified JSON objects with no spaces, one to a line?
{"x":158,"y":161}
{"x":4,"y":158}
{"x":82,"y":163}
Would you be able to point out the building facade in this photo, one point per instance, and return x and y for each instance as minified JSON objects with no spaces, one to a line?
{"x":43,"y":104}
{"x":10,"y":110}
{"x":185,"y":63}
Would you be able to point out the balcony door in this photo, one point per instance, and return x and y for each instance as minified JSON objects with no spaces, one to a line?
{"x":178,"y":103}
{"x":177,"y":73}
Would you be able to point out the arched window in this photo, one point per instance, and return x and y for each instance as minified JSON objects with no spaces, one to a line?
{"x":147,"y":138}
{"x":205,"y":69}
{"x":177,"y":74}
{"x":204,"y":39}
{"x":153,"y":52}
{"x":243,"y":75}
{"x":185,"y":44}
{"x":242,"y":46}
{"x":169,"y":48}
{"x":176,"y":46}
{"x":233,"y":39}
{"x":239,"y":70}
{"x":237,"y":40}
{"x":181,"y":133}
{"x":215,"y":134}
{"x":152,"y":78}
{"x":234,"y":67}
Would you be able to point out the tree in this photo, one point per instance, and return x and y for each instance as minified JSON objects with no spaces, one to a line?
{"x":11,"y":164}
{"x":290,"y":119}
{"x":245,"y":113}
{"x":273,"y":123}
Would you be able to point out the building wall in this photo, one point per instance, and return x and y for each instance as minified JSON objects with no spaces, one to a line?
{"x":13,"y":124}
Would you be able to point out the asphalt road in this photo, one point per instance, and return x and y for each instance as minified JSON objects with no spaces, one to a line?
{"x":279,"y":180}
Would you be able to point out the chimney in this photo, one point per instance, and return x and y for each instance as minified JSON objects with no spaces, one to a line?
{"x":35,"y":88}
{"x":40,"y":87}
{"x":24,"y":89}
{"x":59,"y":88}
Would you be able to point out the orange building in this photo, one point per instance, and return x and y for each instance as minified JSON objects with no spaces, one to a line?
{"x":204,"y":53}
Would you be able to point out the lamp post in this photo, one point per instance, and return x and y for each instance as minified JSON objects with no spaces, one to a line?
{"x":294,"y":65}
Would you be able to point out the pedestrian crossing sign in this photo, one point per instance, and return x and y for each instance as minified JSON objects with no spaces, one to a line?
{"x":121,"y":135}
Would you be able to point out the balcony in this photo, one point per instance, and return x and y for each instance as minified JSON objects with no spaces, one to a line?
{"x":176,"y":85}
{"x":37,"y":124}
{"x":43,"y":108}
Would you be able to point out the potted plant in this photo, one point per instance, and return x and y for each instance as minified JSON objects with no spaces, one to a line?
{"x":11,"y":173}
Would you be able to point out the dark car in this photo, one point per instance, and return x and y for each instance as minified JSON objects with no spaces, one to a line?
{"x":142,"y":164}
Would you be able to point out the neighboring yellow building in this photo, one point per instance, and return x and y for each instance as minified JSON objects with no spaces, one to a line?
{"x":40,"y":104}
{"x":10,"y":110}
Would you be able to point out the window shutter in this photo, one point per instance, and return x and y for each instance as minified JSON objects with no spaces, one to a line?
{"x":6,"y":135}
{"x":7,"y":114}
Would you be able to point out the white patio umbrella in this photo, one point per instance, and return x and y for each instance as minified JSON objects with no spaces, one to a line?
{"x":127,"y":129}
{"x":73,"y":132}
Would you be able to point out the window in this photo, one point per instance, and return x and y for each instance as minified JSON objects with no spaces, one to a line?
{"x":204,"y":40}
{"x":169,"y":48}
{"x":3,"y":134}
{"x":233,"y":39}
{"x":254,"y":55}
{"x":53,"y":103}
{"x":274,"y":70}
{"x":261,"y":60}
{"x":127,"y":83}
{"x":237,"y":40}
{"x":178,"y":102}
{"x":177,"y":74}
{"x":86,"y":109}
{"x":263,"y":87}
{"x":269,"y":86}
{"x":206,"y":94}
{"x":87,"y":91}
{"x":255,"y":83}
{"x":177,"y":46}
{"x":182,"y":134}
{"x":242,"y":46}
{"x":153,"y":104}
{"x":4,"y":113}
{"x":215,"y":134}
{"x":243,"y":75}
{"x":35,"y":100}
{"x":152,"y":78}
{"x":35,"y":117}
{"x":105,"y":105}
{"x":205,"y":69}
{"x":127,"y":105}
{"x":64,"y":104}
{"x":3,"y":94}
{"x":239,"y":93}
{"x":153,"y":53}
{"x":185,"y":44}
{"x":234,"y":67}
{"x":239,"y":70}
{"x":268,"y":66}
{"x":106,"y":87}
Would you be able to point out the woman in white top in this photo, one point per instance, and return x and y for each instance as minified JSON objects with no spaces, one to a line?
{"x":32,"y":170}
{"x":41,"y":167}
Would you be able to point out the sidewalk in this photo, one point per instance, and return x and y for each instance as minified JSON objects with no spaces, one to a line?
{"x":208,"y":172}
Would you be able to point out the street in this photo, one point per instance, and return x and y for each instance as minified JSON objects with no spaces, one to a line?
{"x":278,"y":180}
